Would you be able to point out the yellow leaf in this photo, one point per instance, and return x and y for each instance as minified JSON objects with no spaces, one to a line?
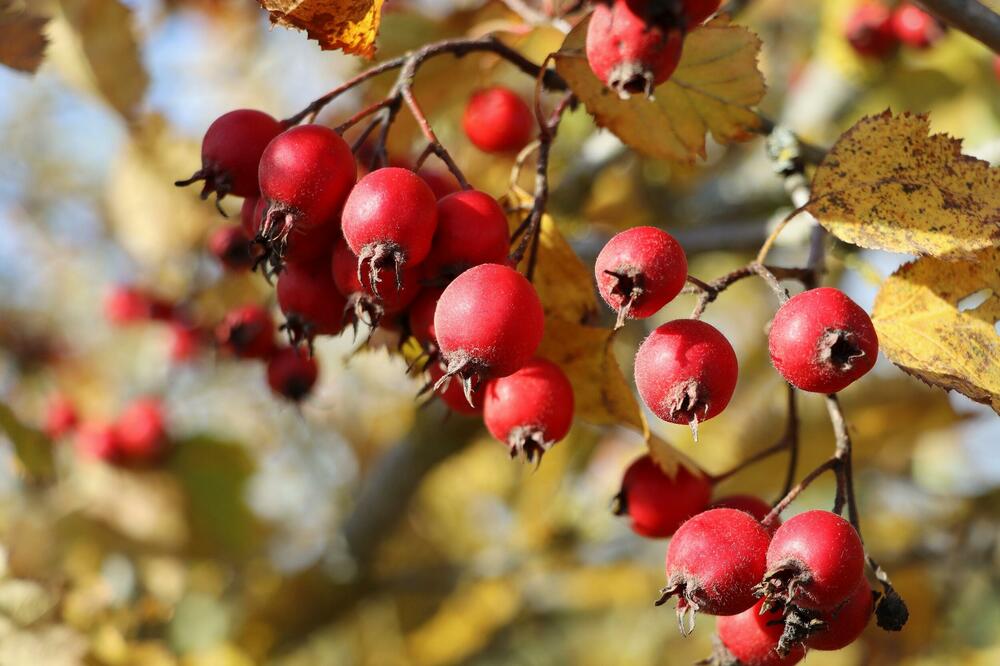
{"x":32,"y":448}
{"x":715,"y":85}
{"x":669,"y":458}
{"x":350,"y":25}
{"x":888,"y":184}
{"x":923,"y":331}
{"x":22,"y":42}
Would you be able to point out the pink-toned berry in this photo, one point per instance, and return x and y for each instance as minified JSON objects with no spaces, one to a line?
{"x":247,"y":332}
{"x":185,"y":341}
{"x":915,"y":27}
{"x":292,"y":373}
{"x":869,"y":31}
{"x":141,"y":431}
{"x":97,"y":440}
{"x":124,"y":304}
{"x":471,"y":230}
{"x":658,"y":503}
{"x":751,"y":638}
{"x":310,"y":302}
{"x":61,"y":417}
{"x":497,"y":120}
{"x":363,"y":304}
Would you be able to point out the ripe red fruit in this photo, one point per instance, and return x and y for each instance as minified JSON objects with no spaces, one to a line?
{"x":442,"y":183}
{"x":451,"y":392}
{"x":869,"y":31}
{"x":822,"y":341}
{"x":915,"y":27}
{"x":814,"y":561}
{"x":489,"y":322}
{"x":421,"y":317}
{"x":292,"y":372}
{"x":124,"y":304}
{"x":61,"y":417}
{"x":231,"y":151}
{"x":639,"y":271}
{"x":471,"y":230}
{"x":630,"y":49}
{"x":310,"y":301}
{"x":247,"y":332}
{"x":845,"y":623}
{"x":751,"y":638}
{"x":531,"y":409}
{"x":657,"y":503}
{"x":231,"y":247}
{"x":184,"y":342}
{"x":996,"y":67}
{"x":497,"y":120}
{"x":714,"y":561}
{"x":251,"y":213}
{"x":97,"y":440}
{"x":142,"y":435}
{"x":686,"y":372}
{"x":755,"y":506}
{"x":699,"y":10}
{"x":363,"y":304}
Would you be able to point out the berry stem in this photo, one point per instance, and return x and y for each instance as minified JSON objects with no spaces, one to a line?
{"x":971,"y":17}
{"x":362,"y":114}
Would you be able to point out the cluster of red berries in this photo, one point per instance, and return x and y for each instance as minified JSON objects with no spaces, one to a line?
{"x":138,"y":436}
{"x":635,"y":45}
{"x":876,"y":30}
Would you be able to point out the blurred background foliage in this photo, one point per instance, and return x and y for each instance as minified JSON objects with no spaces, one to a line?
{"x":361,"y":529}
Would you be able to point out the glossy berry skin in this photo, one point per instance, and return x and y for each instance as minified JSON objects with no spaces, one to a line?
{"x":714,"y":561}
{"x":61,"y":417}
{"x":751,"y":637}
{"x":869,"y":31}
{"x":657,"y":503}
{"x":822,"y":341}
{"x":247,"y":332}
{"x":639,"y":271}
{"x":310,"y":301}
{"x":142,"y":434}
{"x":630,"y":51}
{"x":846,"y":622}
{"x":362,"y":301}
{"x":231,"y":247}
{"x":686,"y":371}
{"x":450,"y":391}
{"x":755,"y":506}
{"x":489,"y":322}
{"x":471,"y":230}
{"x":531,"y":409}
{"x":231,"y":152}
{"x":97,"y":440}
{"x":292,"y":373}
{"x":915,"y":28}
{"x":421,"y":317}
{"x":814,"y":561}
{"x":497,"y":120}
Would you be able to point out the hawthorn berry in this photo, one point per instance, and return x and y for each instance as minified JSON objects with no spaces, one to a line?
{"x":996,"y":67}
{"x":363,"y":304}
{"x":751,"y":504}
{"x":686,"y":372}
{"x":915,"y":27}
{"x":184,"y":341}
{"x":61,"y":417}
{"x":389,"y":221}
{"x":231,"y":151}
{"x":488,"y":322}
{"x":839,"y":627}
{"x":124,"y":304}
{"x":292,"y":372}
{"x":451,"y":392}
{"x":697,"y":11}
{"x":869,"y":31}
{"x":231,"y":246}
{"x":308,"y":297}
{"x":822,"y":341}
{"x":251,"y":213}
{"x":471,"y":230}
{"x":442,"y":183}
{"x":142,"y":435}
{"x":97,"y":440}
{"x":497,"y":120}
{"x":815,"y":561}
{"x":531,"y":409}
{"x":657,"y":503}
{"x":714,"y":562}
{"x":630,"y":48}
{"x":421,"y":317}
{"x":247,"y":332}
{"x":639,"y":271}
{"x":751,"y":638}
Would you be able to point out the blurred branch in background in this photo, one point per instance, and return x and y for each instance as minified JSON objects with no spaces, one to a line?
{"x":971,"y":17}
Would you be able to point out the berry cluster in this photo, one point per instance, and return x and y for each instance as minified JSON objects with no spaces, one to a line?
{"x":137,"y":437}
{"x":635,"y":45}
{"x":876,"y":30}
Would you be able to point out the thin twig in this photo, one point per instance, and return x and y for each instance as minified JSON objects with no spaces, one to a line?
{"x":792,"y":434}
{"x":971,"y":17}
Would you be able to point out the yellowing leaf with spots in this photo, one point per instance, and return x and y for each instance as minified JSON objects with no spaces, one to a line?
{"x":350,"y":25}
{"x":889,"y":184}
{"x":928,"y":327}
{"x":713,"y":90}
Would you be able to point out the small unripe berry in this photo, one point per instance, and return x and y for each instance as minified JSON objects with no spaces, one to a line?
{"x":714,"y":562}
{"x":363,"y":304}
{"x":97,"y":440}
{"x":869,"y":31}
{"x":915,"y":27}
{"x":231,"y":246}
{"x":686,"y":372}
{"x":822,"y":341}
{"x":247,"y":332}
{"x":471,"y":230}
{"x":639,"y":271}
{"x":497,"y":120}
{"x":755,"y":506}
{"x":751,"y":638}
{"x":531,"y":409}
{"x":61,"y":417}
{"x":843,"y":624}
{"x":310,"y":302}
{"x":142,"y":435}
{"x":231,"y":151}
{"x":657,"y":503}
{"x":292,"y":372}
{"x":450,"y":391}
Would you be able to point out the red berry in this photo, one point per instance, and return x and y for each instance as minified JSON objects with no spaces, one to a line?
{"x":822,"y":341}
{"x":421,"y":317}
{"x":915,"y":27}
{"x":451,"y":392}
{"x":184,"y":342}
{"x":389,"y":221}
{"x":247,"y":332}
{"x":231,"y":247}
{"x":531,"y":409}
{"x":363,"y":304}
{"x":310,"y":301}
{"x":489,"y":322}
{"x":814,"y":561}
{"x":61,"y":417}
{"x":845,"y":623}
{"x":231,"y":151}
{"x":497,"y":120}
{"x":996,"y":67}
{"x":251,"y":213}
{"x":699,"y":10}
{"x":630,"y":49}
{"x":686,"y":371}
{"x":471,"y":230}
{"x":714,"y":561}
{"x":442,"y":183}
{"x":751,"y":638}
{"x":657,"y":503}
{"x":869,"y":31}
{"x":142,"y":436}
{"x":639,"y":271}
{"x":755,"y":506}
{"x":124,"y":304}
{"x":97,"y":440}
{"x":292,"y":372}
